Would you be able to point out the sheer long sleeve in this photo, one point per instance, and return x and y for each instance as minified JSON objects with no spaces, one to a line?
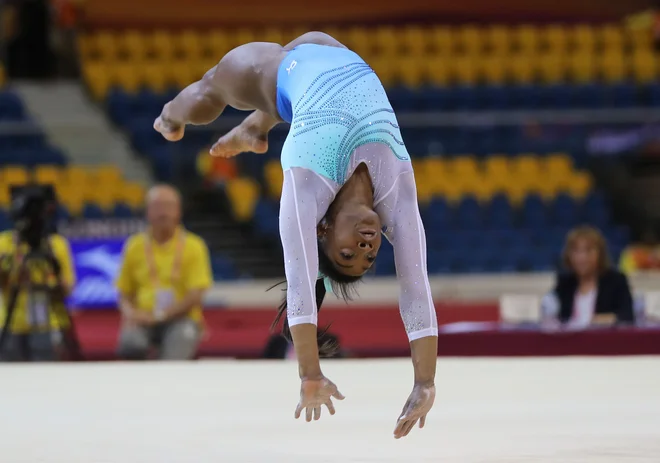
{"x":305,"y":200}
{"x":406,"y":232}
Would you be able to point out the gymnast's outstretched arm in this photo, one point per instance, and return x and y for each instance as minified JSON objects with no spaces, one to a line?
{"x":415,"y":300}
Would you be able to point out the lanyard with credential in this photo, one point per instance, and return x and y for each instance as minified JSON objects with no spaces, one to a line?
{"x":176,"y":265}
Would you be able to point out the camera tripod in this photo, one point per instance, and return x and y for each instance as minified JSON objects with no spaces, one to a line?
{"x":45,"y":261}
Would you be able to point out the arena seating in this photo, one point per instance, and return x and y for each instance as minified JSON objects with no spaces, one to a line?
{"x":26,"y":156}
{"x":523,"y":199}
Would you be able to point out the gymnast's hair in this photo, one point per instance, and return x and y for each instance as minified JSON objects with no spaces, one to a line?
{"x":342,"y":285}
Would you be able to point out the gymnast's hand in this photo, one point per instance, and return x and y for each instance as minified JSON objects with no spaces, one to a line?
{"x":313,"y":394}
{"x":416,"y":408}
{"x":169,"y":130}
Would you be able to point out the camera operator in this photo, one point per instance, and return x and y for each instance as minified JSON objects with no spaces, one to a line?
{"x":36,"y":275}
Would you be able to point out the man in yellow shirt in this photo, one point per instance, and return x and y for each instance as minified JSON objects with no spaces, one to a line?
{"x":35,"y":324}
{"x":163,"y":277}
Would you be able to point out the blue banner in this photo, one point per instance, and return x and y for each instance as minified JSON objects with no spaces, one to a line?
{"x":97,"y":263}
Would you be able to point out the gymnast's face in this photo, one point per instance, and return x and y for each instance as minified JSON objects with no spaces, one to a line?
{"x":352,"y":240}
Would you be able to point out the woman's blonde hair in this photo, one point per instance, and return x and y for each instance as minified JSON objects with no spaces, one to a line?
{"x":593,"y":235}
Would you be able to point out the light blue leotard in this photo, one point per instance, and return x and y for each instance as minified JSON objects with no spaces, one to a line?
{"x":340,"y":118}
{"x":335,"y":103}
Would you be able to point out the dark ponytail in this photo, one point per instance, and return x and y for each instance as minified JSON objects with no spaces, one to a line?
{"x":342,"y":285}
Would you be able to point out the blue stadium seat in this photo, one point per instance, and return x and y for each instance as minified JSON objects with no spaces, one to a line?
{"x":122,"y":211}
{"x":266,"y":218}
{"x":623,"y":95}
{"x":500,"y":213}
{"x":384,"y":264}
{"x":5,"y":222}
{"x":222,"y":268}
{"x":654,"y":94}
{"x":62,"y":212}
{"x":534,"y":212}
{"x":93,"y":212}
{"x":469,"y":214}
{"x":437,"y":215}
{"x":565,"y":210}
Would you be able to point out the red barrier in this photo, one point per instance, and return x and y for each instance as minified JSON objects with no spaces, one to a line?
{"x":376,"y":332}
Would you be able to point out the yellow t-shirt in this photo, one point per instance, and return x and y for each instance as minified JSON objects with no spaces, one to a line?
{"x":61,"y":249}
{"x":135,"y":279}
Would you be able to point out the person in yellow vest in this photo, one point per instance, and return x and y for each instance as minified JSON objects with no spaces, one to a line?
{"x":36,"y":326}
{"x":164,"y":274}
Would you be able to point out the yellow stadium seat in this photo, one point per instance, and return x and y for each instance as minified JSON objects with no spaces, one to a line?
{"x":464,"y":167}
{"x":106,"y":45}
{"x":580,"y":185}
{"x":47,"y":175}
{"x":470,"y":40}
{"x":86,"y":45}
{"x":384,"y":68}
{"x":216,"y":45}
{"x":437,"y":71}
{"x":15,"y":175}
{"x":97,"y":77}
{"x":516,"y":192}
{"x":132,"y":45}
{"x":558,"y":165}
{"x":527,"y":39}
{"x":160,"y":45}
{"x":497,"y":172}
{"x":498,"y":40}
{"x":555,"y":39}
{"x":386,"y":41}
{"x":442,"y":40}
{"x":132,"y":194}
{"x":242,"y":36}
{"x":583,"y":38}
{"x":243,"y":195}
{"x":465,"y":69}
{"x":153,"y":74}
{"x":613,"y":66}
{"x":611,"y":37}
{"x":359,"y":40}
{"x":521,"y":69}
{"x":410,"y":70}
{"x":424,"y":188}
{"x":413,"y":41}
{"x":77,"y":176}
{"x":187,"y":46}
{"x":452,"y":189}
{"x":641,"y":38}
{"x":552,"y":67}
{"x":493,"y":69}
{"x":436,"y":169}
{"x":105,"y":197}
{"x":275,"y":35}
{"x":107,"y":175}
{"x":182,"y":73}
{"x":5,"y":198}
{"x":126,"y":75}
{"x":526,"y":171}
{"x":274,"y":178}
{"x":644,"y":66}
{"x":201,"y":67}
{"x":582,"y":67}
{"x":485,"y":188}
{"x":72,"y":197}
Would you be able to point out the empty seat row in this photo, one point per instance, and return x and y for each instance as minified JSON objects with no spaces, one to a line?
{"x":640,"y":67}
{"x":386,"y":41}
{"x":76,"y":187}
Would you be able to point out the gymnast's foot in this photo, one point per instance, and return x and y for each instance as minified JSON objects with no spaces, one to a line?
{"x":242,"y":138}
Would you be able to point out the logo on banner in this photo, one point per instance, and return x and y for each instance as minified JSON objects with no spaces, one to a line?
{"x":97,"y":266}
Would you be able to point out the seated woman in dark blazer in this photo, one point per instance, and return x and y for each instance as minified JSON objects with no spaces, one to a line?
{"x":591,"y":287}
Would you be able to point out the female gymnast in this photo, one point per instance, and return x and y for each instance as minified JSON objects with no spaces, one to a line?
{"x":347,"y":179}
